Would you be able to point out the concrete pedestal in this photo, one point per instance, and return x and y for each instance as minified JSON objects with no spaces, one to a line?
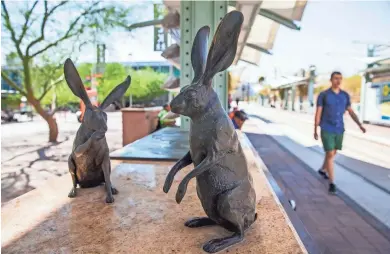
{"x":143,"y":218}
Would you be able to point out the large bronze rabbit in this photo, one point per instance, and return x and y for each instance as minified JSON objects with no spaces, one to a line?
{"x":89,"y":162}
{"x":224,"y":185}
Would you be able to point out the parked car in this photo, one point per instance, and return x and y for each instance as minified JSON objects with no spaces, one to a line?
{"x":7,"y":116}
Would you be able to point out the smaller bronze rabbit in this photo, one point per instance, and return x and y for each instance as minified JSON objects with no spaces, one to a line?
{"x":89,"y":162}
{"x":223,"y":183}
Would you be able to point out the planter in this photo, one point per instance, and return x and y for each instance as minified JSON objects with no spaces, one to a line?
{"x":138,"y":122}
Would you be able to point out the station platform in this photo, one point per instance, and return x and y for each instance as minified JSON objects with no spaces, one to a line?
{"x":356,"y":220}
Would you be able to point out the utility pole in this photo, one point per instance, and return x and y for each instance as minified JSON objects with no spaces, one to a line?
{"x":312,"y":77}
{"x":131,"y":95}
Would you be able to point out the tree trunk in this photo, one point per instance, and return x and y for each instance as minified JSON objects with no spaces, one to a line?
{"x":53,"y":128}
{"x":49,"y":118}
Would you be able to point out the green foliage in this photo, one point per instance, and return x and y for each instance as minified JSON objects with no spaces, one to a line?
{"x":352,"y":85}
{"x":114,"y":74}
{"x":145,"y":84}
{"x":265,"y":91}
{"x":11,"y":101}
{"x":49,"y":78}
{"x":85,"y":70}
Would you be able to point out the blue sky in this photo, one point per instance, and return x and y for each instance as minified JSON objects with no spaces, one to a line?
{"x":327,"y":26}
{"x":330,"y":26}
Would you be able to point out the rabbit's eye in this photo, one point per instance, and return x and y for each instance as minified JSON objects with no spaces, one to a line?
{"x":190,"y":94}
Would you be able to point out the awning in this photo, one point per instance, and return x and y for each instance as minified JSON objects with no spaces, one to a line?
{"x":261,"y":24}
{"x":263,"y":19}
{"x":172,"y":85}
{"x":286,"y":82}
{"x":172,"y":54}
{"x":380,"y":69}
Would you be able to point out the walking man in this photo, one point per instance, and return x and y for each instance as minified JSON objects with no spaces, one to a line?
{"x":331,"y":106}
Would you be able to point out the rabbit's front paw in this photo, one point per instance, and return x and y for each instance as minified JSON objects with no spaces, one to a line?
{"x":72,"y":193}
{"x":109,"y":199}
{"x":167,"y":184}
{"x":181,"y":191}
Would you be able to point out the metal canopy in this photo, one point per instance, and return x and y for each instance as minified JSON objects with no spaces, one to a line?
{"x":172,"y":54}
{"x":286,"y":82}
{"x":261,"y":23}
{"x":263,"y":20}
{"x":172,"y":84}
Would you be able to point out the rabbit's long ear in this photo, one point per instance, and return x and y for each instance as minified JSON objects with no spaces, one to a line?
{"x":75,"y":84}
{"x":199,"y":52}
{"x":116,"y":93}
{"x":224,"y":46}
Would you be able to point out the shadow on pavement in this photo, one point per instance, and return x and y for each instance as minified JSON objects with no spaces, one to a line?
{"x":14,"y":184}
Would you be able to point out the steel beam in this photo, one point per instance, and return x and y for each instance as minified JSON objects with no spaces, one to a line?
{"x":194,"y":15}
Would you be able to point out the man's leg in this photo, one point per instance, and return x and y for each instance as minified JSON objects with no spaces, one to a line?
{"x":328,"y":143}
{"x":332,"y":186}
{"x":330,"y":155}
{"x":323,"y":171}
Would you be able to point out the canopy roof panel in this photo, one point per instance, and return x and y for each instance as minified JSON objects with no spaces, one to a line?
{"x":292,"y":10}
{"x":262,"y":20}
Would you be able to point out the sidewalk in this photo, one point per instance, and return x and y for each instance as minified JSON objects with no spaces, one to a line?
{"x":338,"y":224}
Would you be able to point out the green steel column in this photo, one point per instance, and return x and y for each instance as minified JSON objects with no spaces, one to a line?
{"x":194,"y":15}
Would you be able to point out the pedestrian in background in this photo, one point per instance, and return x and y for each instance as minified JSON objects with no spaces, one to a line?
{"x":239,"y":119}
{"x":331,"y":106}
{"x":162,"y":121}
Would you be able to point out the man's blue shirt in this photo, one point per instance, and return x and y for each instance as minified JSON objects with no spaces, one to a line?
{"x":235,"y":124}
{"x":333,"y":108}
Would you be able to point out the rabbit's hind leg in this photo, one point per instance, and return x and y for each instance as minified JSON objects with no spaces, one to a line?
{"x":234,"y":211}
{"x":72,"y":170}
{"x":231,"y":219}
{"x":113,"y":189}
{"x":106,"y":166}
{"x":199,"y":222}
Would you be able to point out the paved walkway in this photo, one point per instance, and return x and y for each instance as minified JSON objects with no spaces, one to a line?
{"x":29,"y":161}
{"x":335,"y":226}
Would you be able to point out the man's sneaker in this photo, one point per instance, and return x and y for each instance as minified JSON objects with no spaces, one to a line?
{"x":332,"y":188}
{"x":323,"y":173}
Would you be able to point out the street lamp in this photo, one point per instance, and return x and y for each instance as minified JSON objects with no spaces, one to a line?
{"x":131,"y":95}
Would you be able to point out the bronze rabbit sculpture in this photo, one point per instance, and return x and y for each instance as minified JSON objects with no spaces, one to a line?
{"x":224,"y":185}
{"x":89,"y":162}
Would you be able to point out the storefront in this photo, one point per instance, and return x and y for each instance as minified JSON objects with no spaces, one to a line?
{"x":375,"y":95}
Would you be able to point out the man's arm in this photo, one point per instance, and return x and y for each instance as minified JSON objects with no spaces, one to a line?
{"x":355,"y":118}
{"x":317,"y":117}
{"x":317,"y":120}
{"x":353,"y":115}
